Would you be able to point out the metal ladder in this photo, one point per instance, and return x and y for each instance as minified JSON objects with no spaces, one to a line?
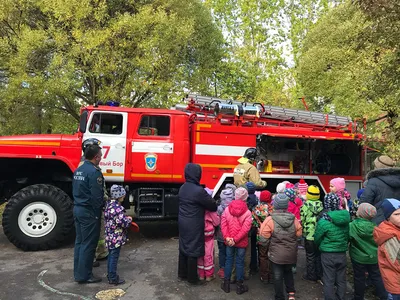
{"x":278,"y":113}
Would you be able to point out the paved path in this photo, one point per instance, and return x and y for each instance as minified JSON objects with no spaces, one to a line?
{"x":148,"y":263}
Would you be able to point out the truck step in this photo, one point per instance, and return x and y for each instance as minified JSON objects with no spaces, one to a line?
{"x":150,"y":203}
{"x":150,"y":217}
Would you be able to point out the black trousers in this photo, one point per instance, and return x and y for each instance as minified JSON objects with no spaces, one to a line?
{"x":87,"y":226}
{"x":187,"y":268}
{"x":254,"y":257}
{"x":375,"y":277}
{"x":334,"y":270}
{"x":313,"y":261}
{"x":282,"y":273}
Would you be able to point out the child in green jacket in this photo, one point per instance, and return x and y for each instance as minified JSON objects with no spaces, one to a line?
{"x":309,"y":213}
{"x":364,"y":252}
{"x":332,"y":237}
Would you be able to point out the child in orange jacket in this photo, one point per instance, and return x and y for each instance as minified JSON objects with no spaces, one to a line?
{"x":387,"y":236}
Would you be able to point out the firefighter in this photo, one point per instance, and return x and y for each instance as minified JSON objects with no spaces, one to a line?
{"x":88,"y":193}
{"x":245,"y":171}
{"x":101,"y":250}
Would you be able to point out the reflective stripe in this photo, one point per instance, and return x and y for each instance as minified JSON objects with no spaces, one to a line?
{"x":208,"y":268}
{"x":200,"y":267}
{"x":209,"y":233}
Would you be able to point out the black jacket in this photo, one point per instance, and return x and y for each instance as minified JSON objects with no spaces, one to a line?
{"x":193,"y":201}
{"x":382,"y":184}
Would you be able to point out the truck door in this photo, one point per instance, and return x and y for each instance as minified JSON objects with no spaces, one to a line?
{"x":152,"y":149}
{"x":110,"y":128}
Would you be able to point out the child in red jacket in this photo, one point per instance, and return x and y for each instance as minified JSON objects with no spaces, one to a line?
{"x":295,"y":203}
{"x":235,"y":225}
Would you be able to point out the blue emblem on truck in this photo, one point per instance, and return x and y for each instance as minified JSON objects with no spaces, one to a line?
{"x":151,"y":161}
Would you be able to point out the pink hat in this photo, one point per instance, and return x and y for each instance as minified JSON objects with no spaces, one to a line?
{"x":241,"y":194}
{"x":289,"y":185}
{"x":338,"y":183}
{"x":302,"y":186}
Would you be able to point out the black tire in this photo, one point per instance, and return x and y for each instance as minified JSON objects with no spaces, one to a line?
{"x":52,"y":196}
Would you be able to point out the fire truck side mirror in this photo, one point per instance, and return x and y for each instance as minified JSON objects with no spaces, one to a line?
{"x":83,"y":122}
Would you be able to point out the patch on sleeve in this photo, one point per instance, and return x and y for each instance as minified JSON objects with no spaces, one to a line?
{"x":392,"y":247}
{"x":100,"y":180}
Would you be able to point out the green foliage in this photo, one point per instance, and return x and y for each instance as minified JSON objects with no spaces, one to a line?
{"x":57,"y":55}
{"x":264,"y":39}
{"x":350,"y":68}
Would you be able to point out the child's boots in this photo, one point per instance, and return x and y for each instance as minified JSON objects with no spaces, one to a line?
{"x":241,"y":287}
{"x":117,"y":281}
{"x":226,"y":285}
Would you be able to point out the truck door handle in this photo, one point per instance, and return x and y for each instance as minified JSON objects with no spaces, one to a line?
{"x":119,"y":146}
{"x":167,"y":147}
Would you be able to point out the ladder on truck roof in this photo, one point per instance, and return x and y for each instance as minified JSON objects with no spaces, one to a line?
{"x":208,"y":104}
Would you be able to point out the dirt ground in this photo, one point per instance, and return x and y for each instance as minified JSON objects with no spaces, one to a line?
{"x":148,"y":263}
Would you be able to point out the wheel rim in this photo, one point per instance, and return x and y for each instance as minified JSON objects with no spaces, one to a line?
{"x":37,"y":219}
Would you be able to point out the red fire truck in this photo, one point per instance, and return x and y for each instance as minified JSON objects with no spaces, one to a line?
{"x":146,"y":150}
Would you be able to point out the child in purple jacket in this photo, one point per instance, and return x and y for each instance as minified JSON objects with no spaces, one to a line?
{"x":116,"y":224}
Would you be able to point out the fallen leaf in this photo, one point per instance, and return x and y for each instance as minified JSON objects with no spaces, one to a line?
{"x":110,"y":294}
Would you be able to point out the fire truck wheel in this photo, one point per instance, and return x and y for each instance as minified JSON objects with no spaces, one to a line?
{"x":38,"y":217}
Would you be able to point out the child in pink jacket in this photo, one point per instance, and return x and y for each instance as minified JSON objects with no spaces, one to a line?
{"x":205,"y":264}
{"x":235,"y":226}
{"x":295,"y":203}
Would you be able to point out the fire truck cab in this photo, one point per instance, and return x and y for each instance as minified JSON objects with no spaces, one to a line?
{"x":146,"y":150}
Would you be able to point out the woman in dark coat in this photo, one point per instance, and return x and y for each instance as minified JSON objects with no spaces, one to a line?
{"x":193,"y":201}
{"x":383,"y":182}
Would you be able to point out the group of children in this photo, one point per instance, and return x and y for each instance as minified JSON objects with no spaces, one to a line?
{"x":271,"y":226}
{"x":249,"y":223}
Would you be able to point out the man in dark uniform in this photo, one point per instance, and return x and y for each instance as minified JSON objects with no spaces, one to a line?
{"x":87,"y":188}
{"x":101,"y":249}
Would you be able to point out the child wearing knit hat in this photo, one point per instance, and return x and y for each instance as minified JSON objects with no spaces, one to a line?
{"x":280,"y":236}
{"x":331,"y":202}
{"x":226,"y":196}
{"x":302,"y":187}
{"x":364,"y":252}
{"x":252,"y":200}
{"x":116,"y":224}
{"x":235,"y":225}
{"x":387,"y":236}
{"x":259,"y":214}
{"x":280,"y":188}
{"x":338,"y":186}
{"x":309,"y":214}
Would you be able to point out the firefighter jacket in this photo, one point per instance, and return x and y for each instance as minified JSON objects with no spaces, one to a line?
{"x":246,"y":172}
